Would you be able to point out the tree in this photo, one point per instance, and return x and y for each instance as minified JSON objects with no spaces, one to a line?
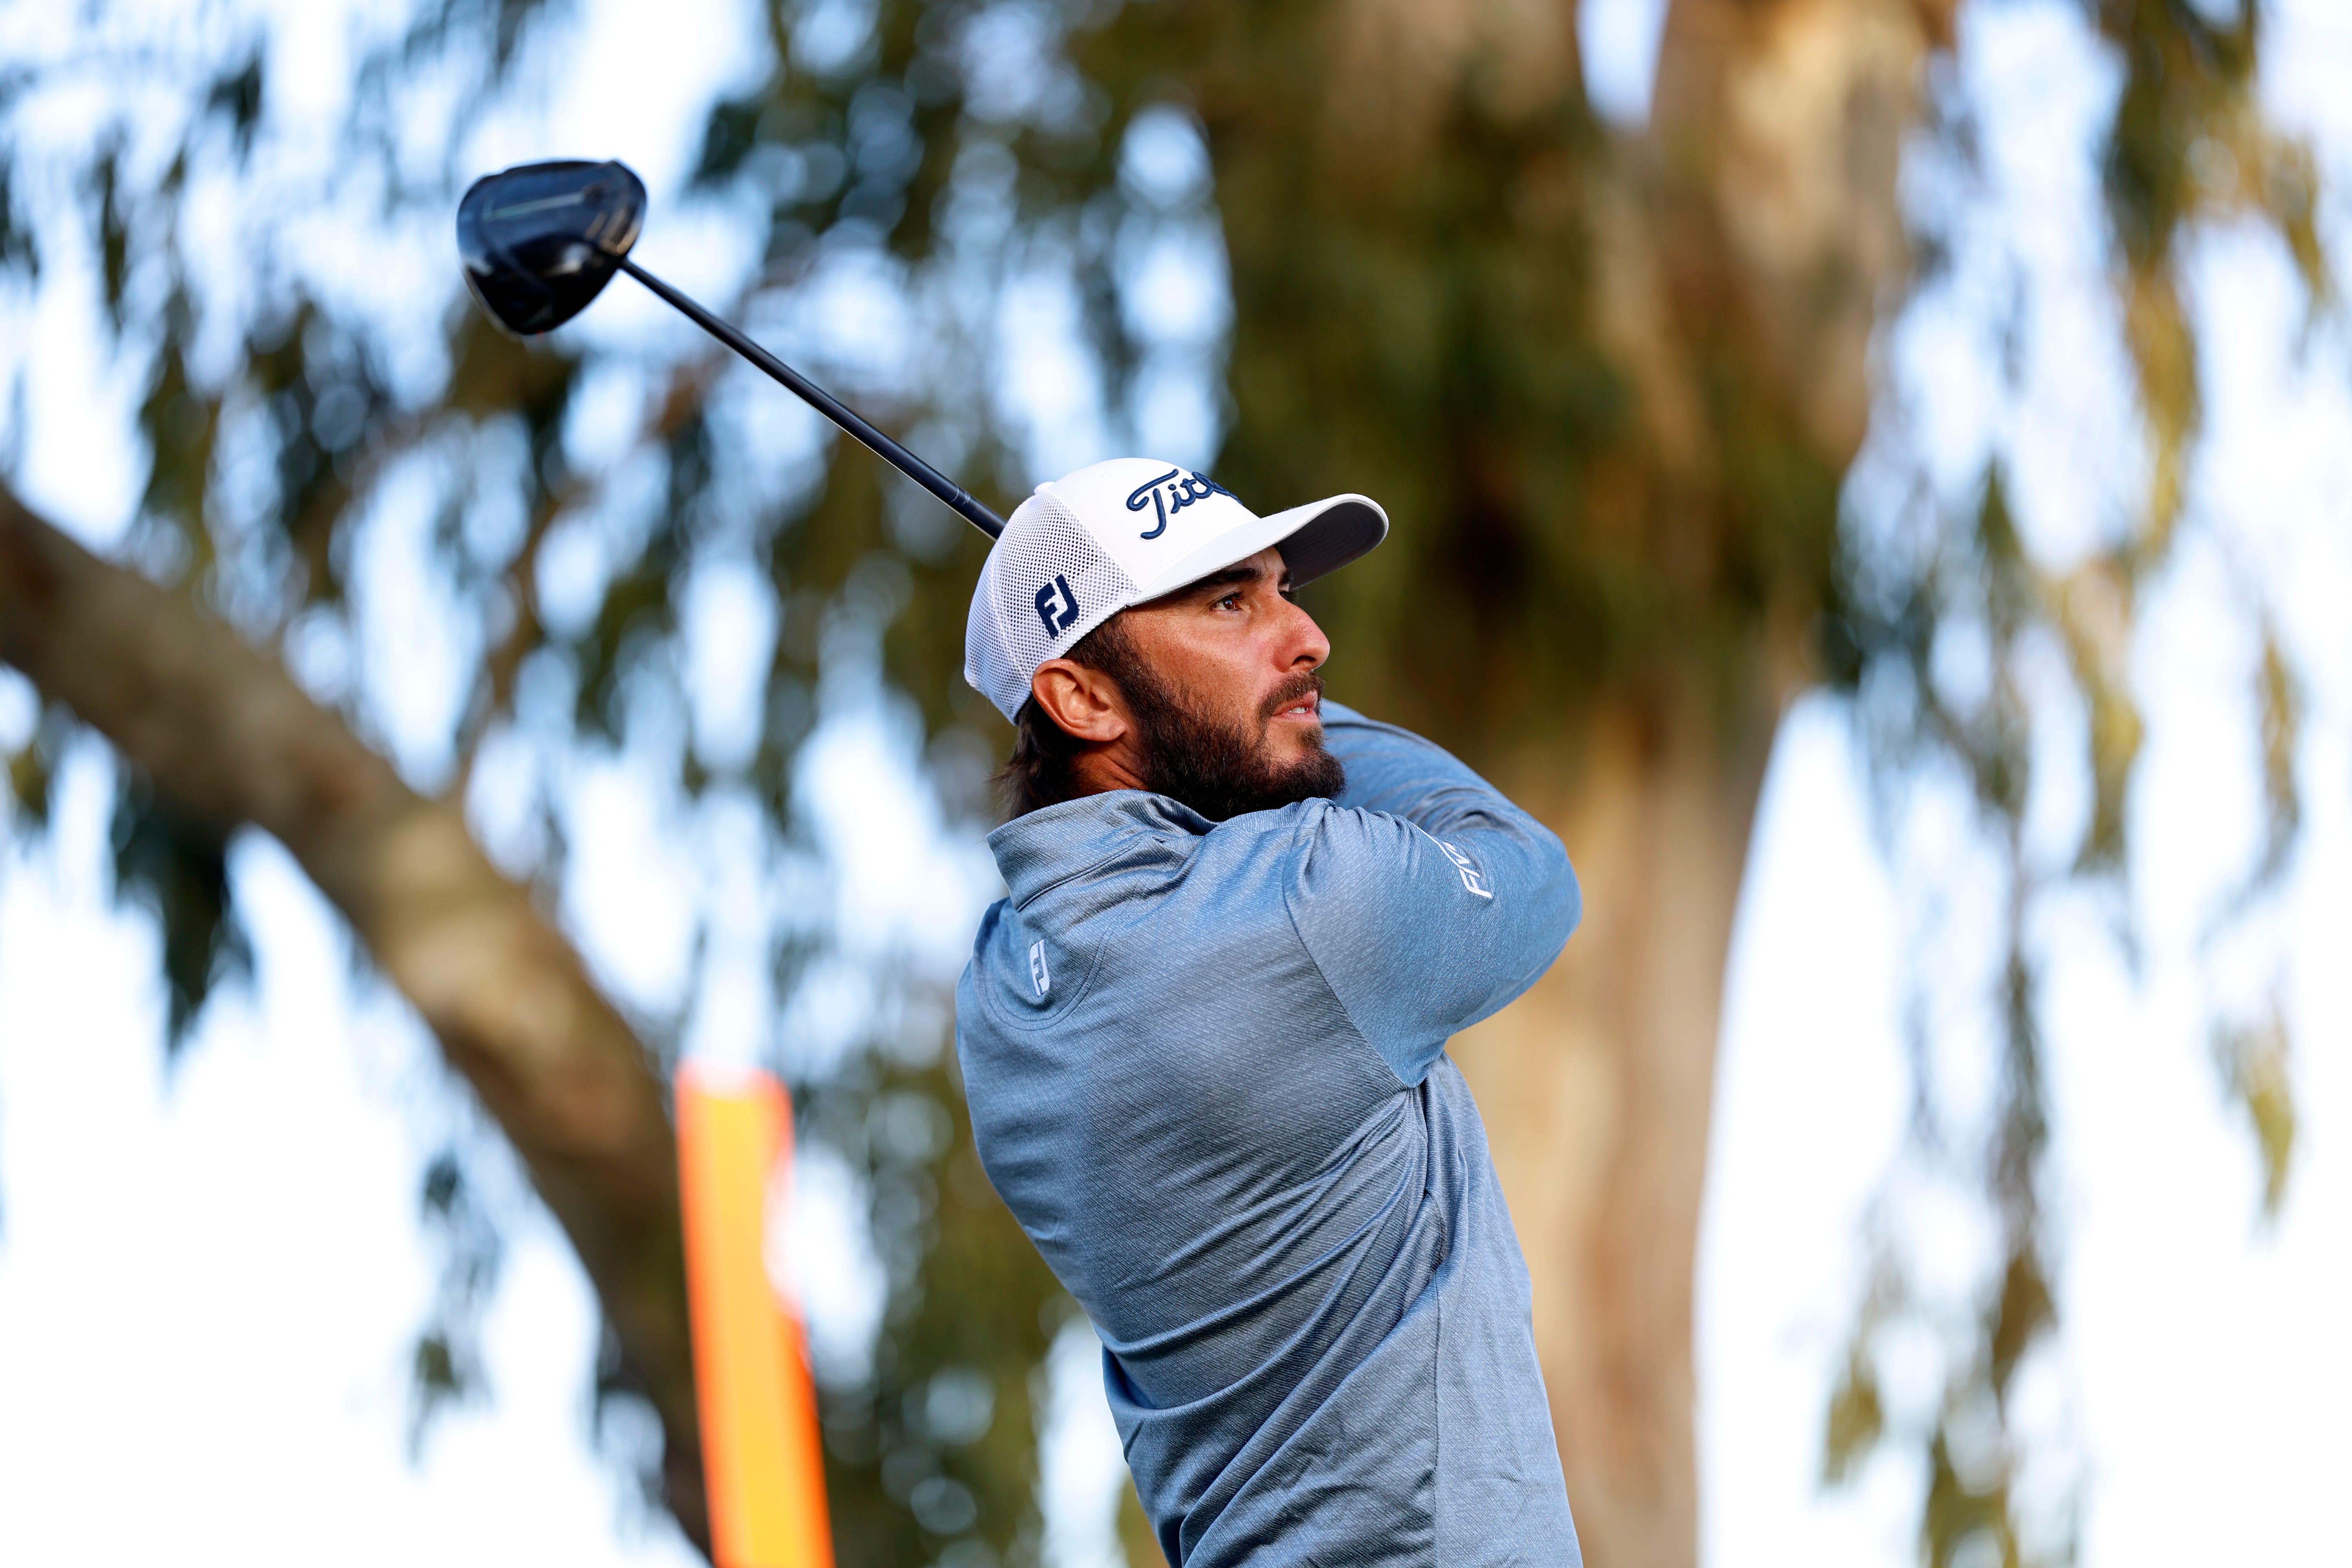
{"x":1608,"y":383}
{"x":1611,"y":386}
{"x":175,"y":658}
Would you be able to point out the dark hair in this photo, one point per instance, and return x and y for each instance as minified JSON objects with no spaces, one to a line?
{"x":1038,"y":774}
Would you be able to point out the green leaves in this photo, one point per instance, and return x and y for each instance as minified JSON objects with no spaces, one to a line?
{"x":178,"y":866}
{"x":447,"y":1363}
{"x":32,"y":768}
{"x":112,"y":221}
{"x":1857,"y":1412}
{"x":2279,"y":700}
{"x":322,"y":400}
{"x":19,"y":247}
{"x":2188,"y":146}
{"x":2254,"y":1062}
{"x":235,"y":97}
{"x":937,"y":1452}
{"x":2189,"y":143}
{"x":1519,"y":332}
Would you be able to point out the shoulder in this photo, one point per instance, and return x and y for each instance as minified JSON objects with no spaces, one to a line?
{"x":1276,"y":847}
{"x":1347,"y":730}
{"x":1084,"y":840}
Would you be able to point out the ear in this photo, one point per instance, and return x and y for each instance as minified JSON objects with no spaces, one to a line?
{"x":1086,"y":702}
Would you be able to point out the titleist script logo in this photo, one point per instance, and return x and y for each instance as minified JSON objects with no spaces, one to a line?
{"x":1060,"y":616}
{"x":1183,"y":490}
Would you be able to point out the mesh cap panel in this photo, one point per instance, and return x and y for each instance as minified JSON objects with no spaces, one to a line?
{"x":1046,"y":585}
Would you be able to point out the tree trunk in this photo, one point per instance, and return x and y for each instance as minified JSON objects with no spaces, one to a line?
{"x":1765,"y":239}
{"x":229,"y":738}
{"x":1596,"y":1088}
{"x":1608,"y":387}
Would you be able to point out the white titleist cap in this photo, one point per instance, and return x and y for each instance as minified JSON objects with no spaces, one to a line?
{"x":1089,"y":544}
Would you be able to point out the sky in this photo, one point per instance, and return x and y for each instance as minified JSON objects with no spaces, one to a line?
{"x":211,"y":1275}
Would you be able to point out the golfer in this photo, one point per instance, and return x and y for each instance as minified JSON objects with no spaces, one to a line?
{"x":1204,"y":1037}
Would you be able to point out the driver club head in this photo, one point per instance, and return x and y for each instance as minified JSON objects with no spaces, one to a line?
{"x":539,"y":240}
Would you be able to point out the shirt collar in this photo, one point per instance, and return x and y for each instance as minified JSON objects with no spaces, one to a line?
{"x":1055,"y":842}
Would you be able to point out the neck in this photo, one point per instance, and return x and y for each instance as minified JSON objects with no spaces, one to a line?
{"x":1101,"y":769}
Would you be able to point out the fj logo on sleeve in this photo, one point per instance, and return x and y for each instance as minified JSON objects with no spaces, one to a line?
{"x":1038,"y":976}
{"x":1472,"y":878}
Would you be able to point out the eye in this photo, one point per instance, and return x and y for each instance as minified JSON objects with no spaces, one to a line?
{"x":1232,"y":601}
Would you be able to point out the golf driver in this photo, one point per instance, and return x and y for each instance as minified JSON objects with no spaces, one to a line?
{"x":541,"y":240}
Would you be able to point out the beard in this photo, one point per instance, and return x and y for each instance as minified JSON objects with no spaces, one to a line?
{"x":1220,"y":767}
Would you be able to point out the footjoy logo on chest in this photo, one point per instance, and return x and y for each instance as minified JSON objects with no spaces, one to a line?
{"x":1058,"y":606}
{"x":1038,"y":976}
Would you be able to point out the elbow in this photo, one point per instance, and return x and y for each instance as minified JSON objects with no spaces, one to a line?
{"x":1561,"y":890}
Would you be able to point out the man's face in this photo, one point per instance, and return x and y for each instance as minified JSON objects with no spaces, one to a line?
{"x":1228,"y":709}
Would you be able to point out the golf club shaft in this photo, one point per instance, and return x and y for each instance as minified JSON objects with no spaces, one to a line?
{"x":824,"y":403}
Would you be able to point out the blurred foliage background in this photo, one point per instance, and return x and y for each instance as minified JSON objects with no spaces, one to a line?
{"x":1616,"y":385}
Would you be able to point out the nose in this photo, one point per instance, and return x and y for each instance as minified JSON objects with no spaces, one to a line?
{"x":1304,"y":646}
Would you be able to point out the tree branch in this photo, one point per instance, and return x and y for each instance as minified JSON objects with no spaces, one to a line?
{"x":226,"y":733}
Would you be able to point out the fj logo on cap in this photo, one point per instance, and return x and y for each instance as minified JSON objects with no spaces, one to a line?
{"x":1183,"y":490}
{"x":1038,"y":976}
{"x":1060,"y":618}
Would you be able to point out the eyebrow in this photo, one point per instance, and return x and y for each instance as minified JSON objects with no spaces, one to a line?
{"x":1216,"y":584}
{"x":1236,"y":577}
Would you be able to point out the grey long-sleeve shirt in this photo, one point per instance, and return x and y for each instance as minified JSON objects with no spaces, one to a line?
{"x":1207,"y":1070}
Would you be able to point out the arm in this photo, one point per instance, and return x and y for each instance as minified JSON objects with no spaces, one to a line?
{"x":1427,"y":900}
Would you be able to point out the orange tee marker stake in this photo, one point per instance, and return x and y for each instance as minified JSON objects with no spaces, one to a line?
{"x":760,"y":1459}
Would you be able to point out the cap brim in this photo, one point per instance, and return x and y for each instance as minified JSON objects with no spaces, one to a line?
{"x":1315,"y":540}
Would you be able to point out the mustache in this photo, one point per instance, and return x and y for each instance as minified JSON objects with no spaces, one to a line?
{"x":1305,"y":685}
